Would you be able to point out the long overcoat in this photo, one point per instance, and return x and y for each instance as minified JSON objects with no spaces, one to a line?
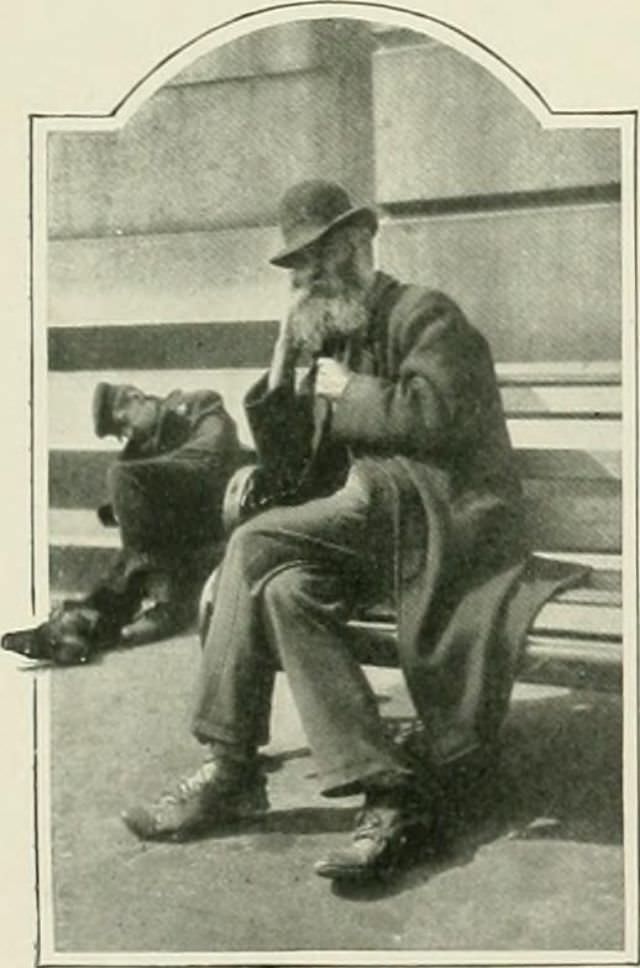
{"x":421,"y":416}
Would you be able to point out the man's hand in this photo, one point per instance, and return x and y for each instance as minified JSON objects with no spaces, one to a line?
{"x":331,"y":378}
{"x":285,"y":355}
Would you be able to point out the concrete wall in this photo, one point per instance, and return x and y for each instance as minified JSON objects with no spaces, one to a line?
{"x":171,"y":208}
{"x":160,"y":234}
{"x":521,"y":225}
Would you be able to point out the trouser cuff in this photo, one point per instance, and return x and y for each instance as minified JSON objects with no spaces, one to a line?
{"x":360,"y":777}
{"x":222,"y":736}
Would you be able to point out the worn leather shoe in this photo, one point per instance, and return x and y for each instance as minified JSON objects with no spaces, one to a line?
{"x":159,"y":621}
{"x":217,"y":793}
{"x":387,"y":831}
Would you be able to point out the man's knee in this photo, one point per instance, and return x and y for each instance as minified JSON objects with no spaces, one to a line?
{"x":284,"y":589}
{"x":304,"y":591}
{"x":251,"y":548}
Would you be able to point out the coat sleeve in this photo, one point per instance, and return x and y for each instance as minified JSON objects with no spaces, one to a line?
{"x":282,"y":425}
{"x":204,"y":434}
{"x":414,"y":412}
{"x":213,"y":439}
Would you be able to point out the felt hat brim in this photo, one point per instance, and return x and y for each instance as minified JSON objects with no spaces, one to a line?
{"x":309,"y":234}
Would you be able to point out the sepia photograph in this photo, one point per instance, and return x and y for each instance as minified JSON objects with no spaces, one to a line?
{"x":324,"y":637}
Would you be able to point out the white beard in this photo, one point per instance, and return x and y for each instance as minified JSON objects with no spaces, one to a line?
{"x":315,"y":319}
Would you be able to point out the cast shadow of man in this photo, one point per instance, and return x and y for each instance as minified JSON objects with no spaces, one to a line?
{"x":558,"y":777}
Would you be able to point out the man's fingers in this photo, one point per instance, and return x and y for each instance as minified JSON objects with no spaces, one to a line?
{"x":331,"y":377}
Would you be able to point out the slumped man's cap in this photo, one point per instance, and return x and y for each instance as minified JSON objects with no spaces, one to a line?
{"x":106,"y":397}
{"x":312,"y":208}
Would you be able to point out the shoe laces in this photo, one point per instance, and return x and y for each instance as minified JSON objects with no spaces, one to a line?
{"x":189,"y":786}
{"x":372,"y":824}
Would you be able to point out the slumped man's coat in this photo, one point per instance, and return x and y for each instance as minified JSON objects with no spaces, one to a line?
{"x":422,"y":418}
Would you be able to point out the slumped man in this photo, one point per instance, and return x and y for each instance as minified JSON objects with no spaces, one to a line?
{"x":396,"y":439}
{"x":166,"y":491}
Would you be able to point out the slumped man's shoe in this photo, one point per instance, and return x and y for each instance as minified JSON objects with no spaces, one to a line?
{"x":215,"y":794}
{"x":388,"y":830}
{"x":160,"y":621}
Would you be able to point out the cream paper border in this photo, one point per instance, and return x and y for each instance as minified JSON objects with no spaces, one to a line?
{"x":83,"y":57}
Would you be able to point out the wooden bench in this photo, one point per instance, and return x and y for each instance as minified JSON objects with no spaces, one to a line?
{"x":565,"y":423}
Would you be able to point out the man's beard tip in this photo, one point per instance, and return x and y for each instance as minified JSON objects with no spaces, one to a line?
{"x":317,"y":318}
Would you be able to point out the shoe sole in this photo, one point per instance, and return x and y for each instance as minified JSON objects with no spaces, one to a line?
{"x":383,"y":868}
{"x":139,"y":824}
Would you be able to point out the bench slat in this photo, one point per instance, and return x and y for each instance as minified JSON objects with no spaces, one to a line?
{"x":568,"y":464}
{"x":558,"y":616}
{"x":566,"y":434}
{"x":595,"y":401}
{"x":560,"y":372}
{"x":70,"y":396}
{"x":574,"y":515}
{"x":570,"y":661}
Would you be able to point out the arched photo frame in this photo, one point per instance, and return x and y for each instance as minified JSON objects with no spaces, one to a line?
{"x":107,"y":291}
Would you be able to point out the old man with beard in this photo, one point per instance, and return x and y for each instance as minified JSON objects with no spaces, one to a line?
{"x":392,"y":469}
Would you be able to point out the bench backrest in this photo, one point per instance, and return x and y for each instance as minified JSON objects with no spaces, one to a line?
{"x":564,"y":418}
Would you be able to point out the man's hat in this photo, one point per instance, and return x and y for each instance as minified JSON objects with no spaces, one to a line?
{"x":106,"y":397}
{"x":311,"y":209}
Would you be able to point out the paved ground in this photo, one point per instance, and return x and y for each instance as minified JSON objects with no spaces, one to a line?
{"x":542,"y":871}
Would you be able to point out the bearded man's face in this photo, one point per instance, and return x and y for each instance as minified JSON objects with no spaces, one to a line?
{"x":328,"y":293}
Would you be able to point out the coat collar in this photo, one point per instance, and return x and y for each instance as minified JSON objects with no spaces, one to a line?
{"x":381,"y":296}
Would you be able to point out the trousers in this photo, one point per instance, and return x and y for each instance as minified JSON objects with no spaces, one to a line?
{"x":166,"y":505}
{"x":285,"y":591}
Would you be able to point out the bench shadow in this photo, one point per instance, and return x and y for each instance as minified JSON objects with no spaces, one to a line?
{"x":558,"y":777}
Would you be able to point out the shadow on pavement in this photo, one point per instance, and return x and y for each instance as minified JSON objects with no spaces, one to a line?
{"x":558,"y":777}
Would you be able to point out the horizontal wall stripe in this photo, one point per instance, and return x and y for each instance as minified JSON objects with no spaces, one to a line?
{"x":77,"y":478}
{"x":163,"y":277}
{"x":70,"y":395}
{"x":540,"y":284}
{"x":153,"y":347}
{"x":584,"y":516}
{"x":445,"y":126}
{"x":212,"y":343}
{"x":75,"y":570}
{"x":80,"y":528}
{"x":503,"y":201}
